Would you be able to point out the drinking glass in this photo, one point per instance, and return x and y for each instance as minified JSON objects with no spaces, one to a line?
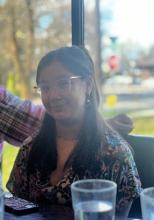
{"x":147,"y":203}
{"x":94,"y":199}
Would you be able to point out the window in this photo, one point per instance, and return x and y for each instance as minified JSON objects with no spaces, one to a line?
{"x":123,"y":51}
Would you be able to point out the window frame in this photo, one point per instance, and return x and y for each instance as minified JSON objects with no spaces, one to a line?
{"x":77,"y":16}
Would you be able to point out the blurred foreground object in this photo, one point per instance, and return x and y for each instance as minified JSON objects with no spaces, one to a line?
{"x":121,"y":123}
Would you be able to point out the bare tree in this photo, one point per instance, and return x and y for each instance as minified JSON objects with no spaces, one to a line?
{"x":24,"y":41}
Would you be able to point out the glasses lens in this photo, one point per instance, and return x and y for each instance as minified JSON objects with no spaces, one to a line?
{"x":63,"y":84}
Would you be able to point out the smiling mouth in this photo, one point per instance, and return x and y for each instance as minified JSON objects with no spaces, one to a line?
{"x":57,"y":106}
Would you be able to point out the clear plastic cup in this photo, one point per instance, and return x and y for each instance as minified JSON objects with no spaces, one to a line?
{"x":94,"y":199}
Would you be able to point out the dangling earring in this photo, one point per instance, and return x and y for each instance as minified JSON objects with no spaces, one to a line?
{"x":88,"y":100}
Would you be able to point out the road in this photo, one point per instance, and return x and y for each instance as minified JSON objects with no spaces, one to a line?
{"x":133,"y":98}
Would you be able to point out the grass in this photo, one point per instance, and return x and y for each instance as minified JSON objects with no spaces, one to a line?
{"x":9,"y":155}
{"x":144,"y":125}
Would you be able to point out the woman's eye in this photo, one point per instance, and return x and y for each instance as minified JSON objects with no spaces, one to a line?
{"x":63,"y":84}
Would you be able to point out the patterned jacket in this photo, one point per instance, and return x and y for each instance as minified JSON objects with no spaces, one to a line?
{"x":116,"y":162}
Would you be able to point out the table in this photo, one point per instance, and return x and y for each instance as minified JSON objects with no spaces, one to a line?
{"x":55,"y":213}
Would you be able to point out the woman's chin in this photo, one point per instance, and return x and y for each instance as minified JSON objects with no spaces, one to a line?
{"x":60,"y":116}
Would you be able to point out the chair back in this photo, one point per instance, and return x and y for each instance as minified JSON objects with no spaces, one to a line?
{"x":143,"y":147}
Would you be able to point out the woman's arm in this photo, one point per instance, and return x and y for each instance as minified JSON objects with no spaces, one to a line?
{"x":119,"y":166}
{"x":18,"y":118}
{"x":128,"y":181}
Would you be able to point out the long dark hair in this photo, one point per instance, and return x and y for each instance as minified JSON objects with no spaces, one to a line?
{"x":43,"y":155}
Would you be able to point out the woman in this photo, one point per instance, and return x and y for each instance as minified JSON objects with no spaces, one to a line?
{"x":74,"y":142}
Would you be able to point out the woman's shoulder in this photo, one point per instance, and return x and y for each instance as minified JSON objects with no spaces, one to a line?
{"x":113,"y":143}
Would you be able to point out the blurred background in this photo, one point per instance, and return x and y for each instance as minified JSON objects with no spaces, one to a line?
{"x":119,"y":35}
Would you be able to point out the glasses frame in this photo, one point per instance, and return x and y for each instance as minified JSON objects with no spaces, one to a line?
{"x":39,"y":90}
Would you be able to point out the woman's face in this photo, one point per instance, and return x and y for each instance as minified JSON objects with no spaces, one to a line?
{"x":64,"y":98}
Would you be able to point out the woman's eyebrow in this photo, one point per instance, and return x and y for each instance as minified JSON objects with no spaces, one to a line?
{"x":56,"y":78}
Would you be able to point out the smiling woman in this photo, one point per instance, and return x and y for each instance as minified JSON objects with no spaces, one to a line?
{"x":60,"y":91}
{"x":74,"y":142}
{"x":63,"y":87}
{"x":67,"y":139}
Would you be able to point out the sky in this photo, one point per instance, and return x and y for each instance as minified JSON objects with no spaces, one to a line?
{"x":133,"y":19}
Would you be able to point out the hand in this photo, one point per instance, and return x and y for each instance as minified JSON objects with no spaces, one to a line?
{"x":121,"y":123}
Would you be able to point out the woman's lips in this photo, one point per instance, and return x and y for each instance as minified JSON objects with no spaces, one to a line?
{"x":57,"y":105}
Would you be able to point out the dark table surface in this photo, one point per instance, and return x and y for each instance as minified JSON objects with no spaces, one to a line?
{"x":52,"y":213}
{"x":55,"y":213}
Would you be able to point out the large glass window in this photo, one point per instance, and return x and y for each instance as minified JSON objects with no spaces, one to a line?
{"x":30,"y":29}
{"x":123,"y":51}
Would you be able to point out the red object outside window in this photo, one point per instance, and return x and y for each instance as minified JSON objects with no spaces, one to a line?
{"x":113,"y":62}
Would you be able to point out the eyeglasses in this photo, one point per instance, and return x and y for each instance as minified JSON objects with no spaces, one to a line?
{"x":61,"y":85}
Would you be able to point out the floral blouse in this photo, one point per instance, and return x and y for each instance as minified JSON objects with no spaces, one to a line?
{"x":116,"y":162}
